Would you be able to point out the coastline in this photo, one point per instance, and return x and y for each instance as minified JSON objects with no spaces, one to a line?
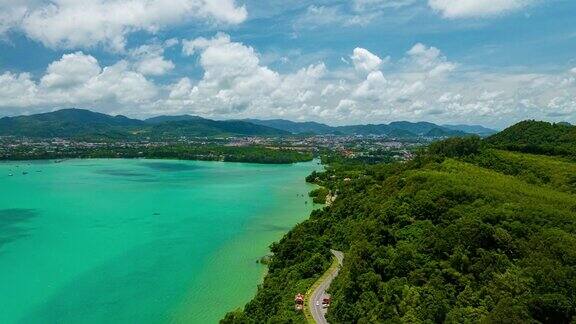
{"x":148,"y":158}
{"x":253,"y":154}
{"x":257,"y":237}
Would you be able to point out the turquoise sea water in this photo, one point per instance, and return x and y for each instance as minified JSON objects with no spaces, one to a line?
{"x":139,"y":241}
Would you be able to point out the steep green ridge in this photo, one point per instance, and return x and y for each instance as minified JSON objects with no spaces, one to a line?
{"x":537,"y":137}
{"x":461,"y":234}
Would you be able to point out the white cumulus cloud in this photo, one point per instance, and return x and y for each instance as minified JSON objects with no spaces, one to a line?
{"x":77,"y":79}
{"x":149,"y":59}
{"x":237,"y":83}
{"x":86,"y":23}
{"x":71,"y":70}
{"x":431,"y":60}
{"x":365,"y":61}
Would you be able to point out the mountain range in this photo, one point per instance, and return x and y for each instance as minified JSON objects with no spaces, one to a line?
{"x":394,"y":129}
{"x":81,"y":123}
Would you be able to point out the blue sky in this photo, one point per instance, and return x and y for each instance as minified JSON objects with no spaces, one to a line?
{"x":490,"y":62}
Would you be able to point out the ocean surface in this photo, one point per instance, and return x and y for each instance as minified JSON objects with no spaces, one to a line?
{"x":139,"y":241}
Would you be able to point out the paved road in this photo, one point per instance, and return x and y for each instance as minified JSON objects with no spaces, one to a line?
{"x":315,"y":302}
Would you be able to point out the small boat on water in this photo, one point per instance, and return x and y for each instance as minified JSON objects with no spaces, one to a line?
{"x":24,"y":173}
{"x":10,"y":175}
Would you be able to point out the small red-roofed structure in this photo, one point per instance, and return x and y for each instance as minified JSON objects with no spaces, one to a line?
{"x":299,"y":302}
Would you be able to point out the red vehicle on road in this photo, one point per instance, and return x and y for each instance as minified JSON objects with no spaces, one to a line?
{"x":326,"y":302}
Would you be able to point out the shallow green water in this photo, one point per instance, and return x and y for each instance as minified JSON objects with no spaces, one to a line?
{"x":139,"y":241}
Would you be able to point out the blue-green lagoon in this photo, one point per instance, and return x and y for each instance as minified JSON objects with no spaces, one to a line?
{"x":139,"y":241}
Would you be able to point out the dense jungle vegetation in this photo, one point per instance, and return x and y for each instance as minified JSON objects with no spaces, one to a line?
{"x":248,"y":154}
{"x":469,"y":231}
{"x":538,"y":138}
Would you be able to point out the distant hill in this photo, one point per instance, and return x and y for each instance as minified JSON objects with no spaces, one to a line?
{"x":80,"y":123}
{"x":402,"y":129}
{"x":164,"y":119}
{"x":68,"y":123}
{"x":208,"y":127}
{"x":419,"y":128}
{"x":443,"y":132}
{"x":472,"y":129}
{"x":295,"y":127}
{"x":537,"y":137}
{"x":381,"y":129}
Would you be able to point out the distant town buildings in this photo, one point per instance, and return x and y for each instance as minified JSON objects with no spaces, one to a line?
{"x":366,"y":148}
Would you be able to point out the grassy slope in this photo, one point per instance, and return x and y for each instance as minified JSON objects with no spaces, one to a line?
{"x":556,"y":172}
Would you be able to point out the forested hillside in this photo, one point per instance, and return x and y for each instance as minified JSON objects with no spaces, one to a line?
{"x":537,"y":137}
{"x":464,"y":233}
{"x":87,"y":125}
{"x":69,"y":123}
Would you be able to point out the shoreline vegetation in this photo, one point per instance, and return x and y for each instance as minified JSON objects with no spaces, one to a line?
{"x":247,"y":154}
{"x":470,"y":230}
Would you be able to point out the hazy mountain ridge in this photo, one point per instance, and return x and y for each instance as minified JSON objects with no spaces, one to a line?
{"x":208,"y":127}
{"x":295,"y":127}
{"x":394,"y":129}
{"x":166,"y":118}
{"x":474,"y":129}
{"x":81,"y":123}
{"x":75,"y":123}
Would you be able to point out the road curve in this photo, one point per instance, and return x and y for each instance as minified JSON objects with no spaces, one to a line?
{"x":315,"y":301}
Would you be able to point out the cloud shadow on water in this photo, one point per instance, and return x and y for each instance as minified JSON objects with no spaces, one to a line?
{"x":122,"y":173}
{"x":12,"y":224}
{"x":121,"y":290}
{"x":171,"y":166}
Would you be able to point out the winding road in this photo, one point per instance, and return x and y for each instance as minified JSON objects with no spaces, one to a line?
{"x":315,"y":301}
